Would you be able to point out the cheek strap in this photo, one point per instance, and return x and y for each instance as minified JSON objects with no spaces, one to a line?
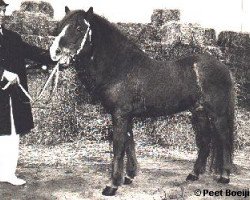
{"x":88,"y":33}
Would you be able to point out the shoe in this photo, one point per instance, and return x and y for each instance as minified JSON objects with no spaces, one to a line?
{"x":14,"y":181}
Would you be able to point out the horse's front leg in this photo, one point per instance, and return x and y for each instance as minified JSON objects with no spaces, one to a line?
{"x":120,"y":139}
{"x":132,"y":165}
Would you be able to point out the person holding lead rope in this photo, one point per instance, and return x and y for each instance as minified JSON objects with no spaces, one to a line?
{"x":15,"y":109}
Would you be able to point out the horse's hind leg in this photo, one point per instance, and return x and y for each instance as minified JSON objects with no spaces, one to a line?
{"x":202,"y":128}
{"x":224,"y":148}
{"x":131,"y":166}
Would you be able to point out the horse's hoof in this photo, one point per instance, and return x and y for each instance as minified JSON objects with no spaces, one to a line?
{"x":127,"y":181}
{"x":223,"y":180}
{"x":109,"y":191}
{"x":192,"y":177}
{"x":131,"y":173}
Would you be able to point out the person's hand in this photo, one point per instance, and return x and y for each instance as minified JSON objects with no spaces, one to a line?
{"x":11,"y":77}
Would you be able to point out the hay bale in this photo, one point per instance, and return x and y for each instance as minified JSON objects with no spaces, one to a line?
{"x":170,"y":15}
{"x":42,"y":42}
{"x":162,"y":16}
{"x":131,"y":30}
{"x":37,"y":7}
{"x":152,"y":49}
{"x":193,"y":34}
{"x":156,"y":19}
{"x":178,"y":50}
{"x":139,"y":33}
{"x":210,"y":36}
{"x":190,"y":34}
{"x":31,"y":23}
{"x":234,"y":40}
{"x":145,"y":36}
{"x":236,"y":48}
{"x":55,"y":121}
{"x":149,"y":33}
{"x":170,"y":33}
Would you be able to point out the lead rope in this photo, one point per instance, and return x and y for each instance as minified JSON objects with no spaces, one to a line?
{"x":55,"y":72}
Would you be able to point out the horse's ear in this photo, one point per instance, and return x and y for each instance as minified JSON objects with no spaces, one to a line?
{"x":89,"y":13}
{"x":67,"y":10}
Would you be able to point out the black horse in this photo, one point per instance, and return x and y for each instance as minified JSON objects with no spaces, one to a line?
{"x":130,"y":84}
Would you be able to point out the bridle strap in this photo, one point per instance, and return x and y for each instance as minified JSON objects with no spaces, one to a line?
{"x":88,"y":33}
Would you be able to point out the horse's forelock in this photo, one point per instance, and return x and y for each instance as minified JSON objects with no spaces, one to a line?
{"x":71,"y":18}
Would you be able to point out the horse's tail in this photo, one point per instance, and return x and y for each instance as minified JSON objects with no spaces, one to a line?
{"x":216,"y":164}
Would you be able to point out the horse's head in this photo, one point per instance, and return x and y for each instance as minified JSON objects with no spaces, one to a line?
{"x":73,"y":36}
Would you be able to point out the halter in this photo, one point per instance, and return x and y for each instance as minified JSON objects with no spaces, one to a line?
{"x":88,"y":33}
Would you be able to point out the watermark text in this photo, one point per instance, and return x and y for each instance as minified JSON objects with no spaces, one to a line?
{"x":222,"y":193}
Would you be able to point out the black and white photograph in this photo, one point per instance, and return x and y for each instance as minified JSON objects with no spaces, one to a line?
{"x":124,"y":100}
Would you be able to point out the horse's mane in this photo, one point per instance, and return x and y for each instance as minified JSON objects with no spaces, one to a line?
{"x":110,"y":29}
{"x":108,"y":25}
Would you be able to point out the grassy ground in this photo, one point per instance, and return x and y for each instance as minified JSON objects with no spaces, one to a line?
{"x":80,"y":170}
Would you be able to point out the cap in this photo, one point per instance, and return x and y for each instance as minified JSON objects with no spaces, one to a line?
{"x":2,"y":3}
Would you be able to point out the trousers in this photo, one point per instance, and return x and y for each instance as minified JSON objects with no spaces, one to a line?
{"x":9,"y":151}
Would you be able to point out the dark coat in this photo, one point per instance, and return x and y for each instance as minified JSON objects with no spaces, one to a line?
{"x":13,"y":52}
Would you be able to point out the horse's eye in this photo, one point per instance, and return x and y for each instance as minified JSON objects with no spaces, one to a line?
{"x":79,"y":28}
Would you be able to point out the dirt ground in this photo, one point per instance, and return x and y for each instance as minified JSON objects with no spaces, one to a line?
{"x":80,"y":170}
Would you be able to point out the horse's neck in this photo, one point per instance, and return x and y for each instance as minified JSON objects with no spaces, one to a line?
{"x":105,"y":49}
{"x":89,"y":69}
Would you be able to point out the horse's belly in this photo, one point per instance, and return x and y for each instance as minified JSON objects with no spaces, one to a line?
{"x":159,"y":107}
